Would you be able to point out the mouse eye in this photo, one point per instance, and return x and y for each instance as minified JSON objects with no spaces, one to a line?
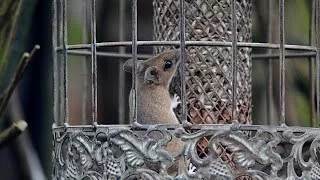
{"x":167,"y":64}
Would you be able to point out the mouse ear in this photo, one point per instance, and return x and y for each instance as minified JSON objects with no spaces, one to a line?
{"x":127,"y":66}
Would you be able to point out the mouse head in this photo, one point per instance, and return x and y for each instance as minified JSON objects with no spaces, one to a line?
{"x":157,"y":70}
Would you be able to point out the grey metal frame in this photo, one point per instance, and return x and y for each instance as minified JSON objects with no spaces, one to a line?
{"x":257,"y":154}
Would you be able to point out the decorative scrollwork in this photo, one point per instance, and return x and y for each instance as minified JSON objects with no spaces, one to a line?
{"x":120,"y":153}
{"x":138,"y":151}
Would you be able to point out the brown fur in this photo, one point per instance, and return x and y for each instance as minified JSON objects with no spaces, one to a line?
{"x":153,"y":98}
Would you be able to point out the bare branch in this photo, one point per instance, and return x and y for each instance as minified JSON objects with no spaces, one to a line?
{"x":25,"y":152}
{"x":12,"y":132}
{"x":24,"y":62}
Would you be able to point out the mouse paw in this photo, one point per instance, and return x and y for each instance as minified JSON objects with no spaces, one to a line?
{"x":175,"y":101}
{"x":192,"y":169}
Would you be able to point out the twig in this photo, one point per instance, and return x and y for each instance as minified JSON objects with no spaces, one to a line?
{"x":8,"y":10}
{"x":25,"y":152}
{"x":12,"y":132}
{"x":24,"y":62}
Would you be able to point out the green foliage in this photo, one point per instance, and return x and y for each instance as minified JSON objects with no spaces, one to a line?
{"x":9,"y":11}
{"x":303,"y":109}
{"x":74,"y":33}
{"x":298,"y":21}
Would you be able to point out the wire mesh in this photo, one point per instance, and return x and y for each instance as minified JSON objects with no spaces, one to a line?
{"x":218,"y":79}
{"x":215,"y":86}
{"x":209,"y":75}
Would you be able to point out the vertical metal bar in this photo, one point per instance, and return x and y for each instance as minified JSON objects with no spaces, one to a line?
{"x":234,"y":57}
{"x":183,"y":60}
{"x":134,"y":59}
{"x":270,"y":68}
{"x":85,"y":63}
{"x":94,"y":81}
{"x":55,"y":36}
{"x":65,"y":62}
{"x":318,"y":58}
{"x":282,"y":63}
{"x":60,"y":62}
{"x":311,"y":68}
{"x":121,"y":88}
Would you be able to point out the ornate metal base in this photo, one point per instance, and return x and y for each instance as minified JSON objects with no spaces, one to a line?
{"x":121,"y":152}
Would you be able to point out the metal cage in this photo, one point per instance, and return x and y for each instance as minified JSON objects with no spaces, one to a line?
{"x":215,"y":87}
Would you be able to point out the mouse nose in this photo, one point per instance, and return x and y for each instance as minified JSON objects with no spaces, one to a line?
{"x":153,"y":71}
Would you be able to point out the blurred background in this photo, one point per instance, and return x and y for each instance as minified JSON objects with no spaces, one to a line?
{"x":24,"y":23}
